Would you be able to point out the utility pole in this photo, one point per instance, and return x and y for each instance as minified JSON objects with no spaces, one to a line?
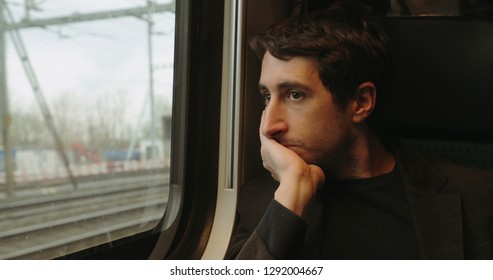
{"x":5,"y":112}
{"x":151,"y":8}
{"x":150,"y":24}
{"x":28,"y":5}
{"x":33,"y":80}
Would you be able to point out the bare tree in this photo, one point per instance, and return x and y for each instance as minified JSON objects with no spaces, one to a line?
{"x":28,"y":130}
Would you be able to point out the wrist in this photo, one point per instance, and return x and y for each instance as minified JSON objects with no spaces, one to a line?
{"x":296,"y":190}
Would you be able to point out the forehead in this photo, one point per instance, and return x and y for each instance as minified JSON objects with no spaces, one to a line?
{"x":301,"y":69}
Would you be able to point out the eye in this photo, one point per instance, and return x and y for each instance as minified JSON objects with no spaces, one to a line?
{"x":266,"y":97}
{"x":295,"y":95}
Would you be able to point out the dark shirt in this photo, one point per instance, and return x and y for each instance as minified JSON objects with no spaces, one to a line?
{"x":368,"y":219}
{"x":361,"y":219}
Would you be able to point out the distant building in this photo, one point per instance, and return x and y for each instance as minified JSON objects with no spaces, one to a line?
{"x":145,"y":147}
{"x":121,"y":155}
{"x":38,"y":159}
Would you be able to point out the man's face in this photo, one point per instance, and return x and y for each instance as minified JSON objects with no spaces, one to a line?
{"x":300,"y":113}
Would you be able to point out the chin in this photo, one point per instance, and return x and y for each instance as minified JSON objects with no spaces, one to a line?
{"x":309,"y":159}
{"x":305,"y":155}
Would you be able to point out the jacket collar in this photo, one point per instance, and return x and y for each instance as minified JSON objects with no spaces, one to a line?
{"x":437,"y":216}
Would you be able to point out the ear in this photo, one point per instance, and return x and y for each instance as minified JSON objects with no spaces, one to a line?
{"x":364,"y":102}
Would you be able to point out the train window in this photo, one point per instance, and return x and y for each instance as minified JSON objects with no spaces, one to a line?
{"x":86,"y":103}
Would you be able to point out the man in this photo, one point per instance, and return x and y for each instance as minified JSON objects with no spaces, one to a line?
{"x":335,"y":189}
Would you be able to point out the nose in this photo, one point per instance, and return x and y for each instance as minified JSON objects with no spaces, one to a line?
{"x":273,"y":123}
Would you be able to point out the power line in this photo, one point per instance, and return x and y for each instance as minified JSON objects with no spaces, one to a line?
{"x":77,"y":17}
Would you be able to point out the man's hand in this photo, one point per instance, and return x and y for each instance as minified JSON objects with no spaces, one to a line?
{"x":298,"y":180}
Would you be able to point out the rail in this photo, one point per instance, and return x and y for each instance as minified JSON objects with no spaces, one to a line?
{"x":51,"y":226}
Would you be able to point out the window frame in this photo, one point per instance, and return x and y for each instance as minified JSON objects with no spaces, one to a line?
{"x":185,"y":228}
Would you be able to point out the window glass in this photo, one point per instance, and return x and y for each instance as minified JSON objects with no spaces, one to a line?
{"x":85,"y":99}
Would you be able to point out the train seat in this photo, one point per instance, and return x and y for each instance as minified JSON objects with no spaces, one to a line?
{"x":443,"y":86}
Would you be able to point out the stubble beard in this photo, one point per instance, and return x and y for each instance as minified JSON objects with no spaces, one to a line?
{"x":338,"y":161}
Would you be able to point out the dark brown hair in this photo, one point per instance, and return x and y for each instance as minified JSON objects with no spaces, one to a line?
{"x":350,"y":50}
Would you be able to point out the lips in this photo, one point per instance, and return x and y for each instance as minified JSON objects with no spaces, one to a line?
{"x":289,"y":145}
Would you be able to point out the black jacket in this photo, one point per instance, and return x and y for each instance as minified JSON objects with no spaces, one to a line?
{"x":451,"y":206}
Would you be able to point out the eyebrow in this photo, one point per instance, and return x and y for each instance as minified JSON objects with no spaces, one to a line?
{"x":287,"y":84}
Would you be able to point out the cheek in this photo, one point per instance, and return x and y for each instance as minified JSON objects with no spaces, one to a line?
{"x":315,"y":125}
{"x":322,"y":122}
{"x":325,"y":132}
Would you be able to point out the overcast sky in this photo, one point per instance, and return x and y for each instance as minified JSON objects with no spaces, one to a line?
{"x":94,"y":58}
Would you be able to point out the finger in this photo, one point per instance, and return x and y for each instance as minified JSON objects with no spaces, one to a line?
{"x":318,"y":174}
{"x":272,"y":172}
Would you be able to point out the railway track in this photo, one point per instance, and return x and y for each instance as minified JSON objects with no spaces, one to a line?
{"x":53,"y":225}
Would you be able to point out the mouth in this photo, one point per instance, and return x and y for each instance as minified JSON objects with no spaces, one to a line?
{"x":287,"y":144}
{"x":285,"y":141}
{"x":291,"y":146}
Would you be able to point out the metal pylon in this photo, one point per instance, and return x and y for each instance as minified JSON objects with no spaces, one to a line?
{"x":31,"y":75}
